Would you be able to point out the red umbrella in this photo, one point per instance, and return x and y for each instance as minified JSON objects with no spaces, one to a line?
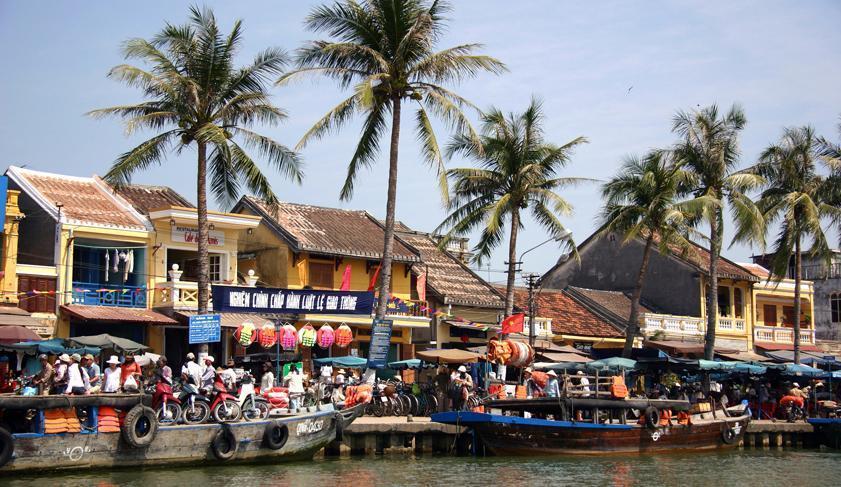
{"x":15,"y":334}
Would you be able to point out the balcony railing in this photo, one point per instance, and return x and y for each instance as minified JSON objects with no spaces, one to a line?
{"x":179,"y":295}
{"x":733,"y":325}
{"x":779,"y":334}
{"x":93,"y":294}
{"x":406,"y":307}
{"x":821,"y":271}
{"x":681,"y":325}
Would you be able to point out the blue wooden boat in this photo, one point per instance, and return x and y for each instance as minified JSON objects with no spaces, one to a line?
{"x":828,"y":431}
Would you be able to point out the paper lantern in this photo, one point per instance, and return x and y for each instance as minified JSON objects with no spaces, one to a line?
{"x":307,"y":336}
{"x":325,"y":337}
{"x":268,"y":337}
{"x":289,"y":337}
{"x":246,"y":334}
{"x":343,"y":336}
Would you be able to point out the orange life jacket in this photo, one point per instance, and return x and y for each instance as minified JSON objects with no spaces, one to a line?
{"x":618,"y":389}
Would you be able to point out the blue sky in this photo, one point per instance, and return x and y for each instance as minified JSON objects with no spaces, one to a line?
{"x":614,"y":72}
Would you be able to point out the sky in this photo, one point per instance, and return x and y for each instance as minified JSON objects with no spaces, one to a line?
{"x":614,"y":72}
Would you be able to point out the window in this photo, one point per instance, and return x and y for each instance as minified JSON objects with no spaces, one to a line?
{"x":36,"y":303}
{"x":723,"y":301}
{"x":215,"y":268}
{"x":835,"y":304}
{"x":737,"y":302}
{"x":321,"y":275}
{"x":788,"y":315}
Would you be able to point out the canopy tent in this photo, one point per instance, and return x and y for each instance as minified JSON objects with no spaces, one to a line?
{"x":743,"y":356}
{"x":804,"y":370}
{"x":106,"y":341}
{"x":415,"y":364}
{"x":56,"y":346}
{"x":731,"y":366}
{"x":347,"y":361}
{"x":558,"y":357}
{"x":805,"y":357}
{"x":449,"y":356}
{"x":558,"y":365}
{"x":17,"y":334}
{"x":611,"y":364}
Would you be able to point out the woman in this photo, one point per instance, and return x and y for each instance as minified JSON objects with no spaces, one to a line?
{"x":77,"y":383}
{"x":267,"y":380}
{"x":131,"y":369}
{"x":112,"y":375}
{"x":295,"y":382}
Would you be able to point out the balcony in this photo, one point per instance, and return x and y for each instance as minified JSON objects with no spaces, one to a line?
{"x":94,"y":294}
{"x":779,"y":334}
{"x":179,"y":295}
{"x":731,"y":325}
{"x":816,"y":272}
{"x":652,"y":323}
{"x":406,"y":307}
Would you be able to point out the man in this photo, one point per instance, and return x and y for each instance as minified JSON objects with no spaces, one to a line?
{"x":584,"y":382}
{"x":77,"y":383}
{"x":340,"y":378}
{"x":229,"y":376}
{"x":44,"y":379}
{"x":209,"y":374}
{"x":93,"y":371}
{"x":267,"y":379}
{"x":60,"y":381}
{"x":552,"y":389}
{"x":462,"y":383}
{"x":191,"y":371}
{"x":369,"y":377}
{"x":131,"y":369}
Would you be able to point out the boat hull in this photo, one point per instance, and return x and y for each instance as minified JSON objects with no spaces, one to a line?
{"x":828,"y":431}
{"x":177,"y":445}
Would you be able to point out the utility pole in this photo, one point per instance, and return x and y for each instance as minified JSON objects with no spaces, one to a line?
{"x":532,"y":280}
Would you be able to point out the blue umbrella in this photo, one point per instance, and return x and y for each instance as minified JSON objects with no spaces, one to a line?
{"x":611,"y":363}
{"x":55,"y":346}
{"x":805,"y":370}
{"x":351,"y":362}
{"x":414,"y":364}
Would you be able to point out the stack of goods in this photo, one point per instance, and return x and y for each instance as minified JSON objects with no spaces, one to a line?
{"x":267,"y":336}
{"x":325,"y":337}
{"x":499,"y":351}
{"x":361,"y":394}
{"x":278,"y":397}
{"x":540,"y":378}
{"x":54,"y":422}
{"x":108,"y":422}
{"x":618,"y":389}
{"x":289,"y":337}
{"x":73,"y":424}
{"x":343,"y":336}
{"x":246,"y":334}
{"x":307,"y":336}
{"x":522,"y":354}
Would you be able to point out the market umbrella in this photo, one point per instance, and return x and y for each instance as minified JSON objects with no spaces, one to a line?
{"x":558,"y":365}
{"x":449,"y":356}
{"x":348,"y":361}
{"x":414,"y":363}
{"x":17,"y":334}
{"x":105,"y":340}
{"x":55,"y":346}
{"x":804,"y":370}
{"x":611,"y":363}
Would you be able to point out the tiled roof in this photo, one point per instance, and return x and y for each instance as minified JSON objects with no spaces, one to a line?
{"x":329,"y":230}
{"x":449,"y":277}
{"x":699,"y":257}
{"x":117,"y":314}
{"x":613,"y":305}
{"x":146,"y":198}
{"x":85,"y":201}
{"x":568,"y":316}
{"x":757,"y":270}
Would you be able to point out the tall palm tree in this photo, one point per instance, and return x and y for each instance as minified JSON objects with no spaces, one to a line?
{"x":709,"y":148}
{"x":798,"y":197}
{"x":385,"y":50}
{"x":518,"y":171}
{"x":196,"y":96}
{"x":642,"y":202}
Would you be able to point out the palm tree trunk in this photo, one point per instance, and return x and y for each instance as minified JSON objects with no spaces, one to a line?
{"x":633,"y":319}
{"x":201,"y":200}
{"x":391,"y":203}
{"x":512,"y":262}
{"x":712,"y":293}
{"x":797,"y":264}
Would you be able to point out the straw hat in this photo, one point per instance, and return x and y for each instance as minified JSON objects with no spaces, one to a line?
{"x":113,"y":360}
{"x":88,"y":356}
{"x":64,"y":357}
{"x":580,"y":372}
{"x":210,"y":357}
{"x":462,"y":368}
{"x":552,"y":373}
{"x":342,"y":371}
{"x":529,"y":370}
{"x":76,"y":357}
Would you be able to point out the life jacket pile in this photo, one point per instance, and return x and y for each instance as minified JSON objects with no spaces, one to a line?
{"x":343,"y":336}
{"x":361,"y":394}
{"x":325,"y":337}
{"x":54,"y":421}
{"x":540,"y":378}
{"x":307,"y":336}
{"x":618,"y":389}
{"x":73,"y":424}
{"x":278,"y":397}
{"x":108,"y":421}
{"x":521,"y":392}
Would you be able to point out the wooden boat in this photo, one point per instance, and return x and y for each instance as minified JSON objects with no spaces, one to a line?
{"x":142,"y":442}
{"x":828,"y":431}
{"x":549,"y":430}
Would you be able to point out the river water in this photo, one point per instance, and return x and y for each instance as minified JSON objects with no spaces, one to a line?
{"x":743,"y":468}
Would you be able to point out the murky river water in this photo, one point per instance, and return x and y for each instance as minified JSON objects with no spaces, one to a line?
{"x":746,"y":468}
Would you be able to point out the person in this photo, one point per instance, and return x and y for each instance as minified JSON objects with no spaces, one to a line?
{"x":44,"y":379}
{"x":111,"y":383}
{"x":76,"y":377}
{"x":763,"y":397}
{"x":229,"y":376}
{"x":208,"y":376}
{"x":60,"y":381}
{"x":552,"y":389}
{"x":326,"y":374}
{"x":462,"y":383}
{"x":132,"y":369}
{"x":93,"y":371}
{"x":191,"y":371}
{"x":267,"y":379}
{"x":340,"y":377}
{"x":584,"y":382}
{"x":295,"y":382}
{"x":162,"y":378}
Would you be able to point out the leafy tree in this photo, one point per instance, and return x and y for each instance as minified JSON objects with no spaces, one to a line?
{"x":518,"y":172}
{"x":197,"y":97}
{"x":384,"y":49}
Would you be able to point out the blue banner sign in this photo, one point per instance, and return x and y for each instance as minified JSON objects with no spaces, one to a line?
{"x":380,"y":343}
{"x":234,"y":299}
{"x":205,"y":329}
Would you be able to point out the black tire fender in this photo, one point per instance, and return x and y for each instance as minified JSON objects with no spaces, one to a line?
{"x":224,"y":444}
{"x":7,"y":446}
{"x":652,"y":417}
{"x":728,"y":436}
{"x":275,"y":435}
{"x":140,"y":426}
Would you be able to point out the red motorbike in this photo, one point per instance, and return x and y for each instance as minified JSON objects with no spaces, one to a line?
{"x":166,"y":405}
{"x":225,"y":406}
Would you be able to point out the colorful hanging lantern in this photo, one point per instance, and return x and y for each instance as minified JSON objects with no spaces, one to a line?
{"x":267,"y":337}
{"x":289,"y":337}
{"x":307,"y":336}
{"x":343,"y":336}
{"x":246,"y":334}
{"x":325,"y":337}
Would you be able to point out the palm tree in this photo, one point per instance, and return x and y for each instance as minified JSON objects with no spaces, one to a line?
{"x":517,"y":172}
{"x":797,"y":196}
{"x":642,"y":201}
{"x":385,"y":50}
{"x":196,"y":96}
{"x":709,"y":149}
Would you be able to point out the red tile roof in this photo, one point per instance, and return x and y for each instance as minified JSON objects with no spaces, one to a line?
{"x":330,"y":231}
{"x":114,"y":313}
{"x":568,"y":316}
{"x":757,"y":270}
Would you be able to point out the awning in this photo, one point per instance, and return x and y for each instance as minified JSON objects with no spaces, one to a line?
{"x":472,"y":325}
{"x":109,"y":342}
{"x":744,"y":356}
{"x":675,"y":346}
{"x":17,"y":334}
{"x":229,"y":320}
{"x":805,"y":357}
{"x":11,"y":316}
{"x":449,"y":356}
{"x":785,"y":346}
{"x":116,"y":314}
{"x":558,"y":357}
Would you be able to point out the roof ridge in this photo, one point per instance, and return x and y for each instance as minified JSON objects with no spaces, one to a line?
{"x":306,"y":205}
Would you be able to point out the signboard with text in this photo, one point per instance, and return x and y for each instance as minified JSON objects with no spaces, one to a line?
{"x":235,"y":299}
{"x":190,"y":235}
{"x":380,"y":343}
{"x":205,"y":329}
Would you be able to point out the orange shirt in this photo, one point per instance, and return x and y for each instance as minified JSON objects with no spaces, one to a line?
{"x":129,"y":369}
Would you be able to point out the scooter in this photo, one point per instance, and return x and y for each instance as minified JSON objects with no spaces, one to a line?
{"x":167,"y":407}
{"x":253,"y":406}
{"x":195,"y":406}
{"x":225,"y":407}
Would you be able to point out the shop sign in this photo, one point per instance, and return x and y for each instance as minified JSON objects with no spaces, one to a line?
{"x":235,"y":299}
{"x":380,"y":343}
{"x":205,"y":329}
{"x":586,"y":347}
{"x":190,"y":235}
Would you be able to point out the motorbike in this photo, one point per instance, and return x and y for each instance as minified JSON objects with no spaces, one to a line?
{"x":195,"y":406}
{"x":225,"y":407}
{"x":167,"y":407}
{"x":253,"y":407}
